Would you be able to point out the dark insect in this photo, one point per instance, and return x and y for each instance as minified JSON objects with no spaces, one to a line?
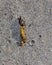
{"x":22,"y":31}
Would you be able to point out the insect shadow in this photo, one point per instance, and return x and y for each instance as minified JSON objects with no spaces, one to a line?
{"x":15,"y":27}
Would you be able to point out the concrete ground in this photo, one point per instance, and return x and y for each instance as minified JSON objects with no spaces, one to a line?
{"x":38,"y":19}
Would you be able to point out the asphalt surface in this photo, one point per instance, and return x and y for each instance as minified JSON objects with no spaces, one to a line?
{"x":37,"y":15}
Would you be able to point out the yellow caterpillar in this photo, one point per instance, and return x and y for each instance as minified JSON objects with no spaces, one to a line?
{"x":22,"y":31}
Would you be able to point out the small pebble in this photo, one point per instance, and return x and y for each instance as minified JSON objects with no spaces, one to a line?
{"x":30,"y":44}
{"x":32,"y":41}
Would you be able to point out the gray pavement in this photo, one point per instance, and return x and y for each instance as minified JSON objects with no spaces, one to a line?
{"x":38,"y":19}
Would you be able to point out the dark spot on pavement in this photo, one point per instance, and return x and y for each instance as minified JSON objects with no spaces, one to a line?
{"x":0,"y":20}
{"x":5,"y":14}
{"x":29,"y":25}
{"x":50,"y":11}
{"x":0,"y":51}
{"x":18,"y":44}
{"x":9,"y":41}
{"x":11,"y":17}
{"x":26,"y":64}
{"x":32,"y":41}
{"x":40,"y":36}
{"x":2,"y":64}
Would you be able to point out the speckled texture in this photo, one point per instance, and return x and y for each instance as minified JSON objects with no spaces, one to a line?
{"x":38,"y":19}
